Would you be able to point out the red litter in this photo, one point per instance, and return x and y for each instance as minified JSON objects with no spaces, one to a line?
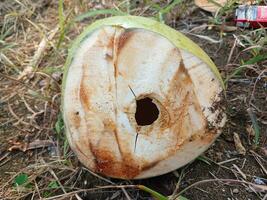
{"x":251,"y":16}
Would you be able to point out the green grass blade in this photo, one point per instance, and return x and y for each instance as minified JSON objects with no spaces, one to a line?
{"x":61,"y":22}
{"x":53,"y":185}
{"x":94,"y":13}
{"x":237,"y":71}
{"x":6,"y":33}
{"x":182,"y":198}
{"x":59,"y":125}
{"x":203,"y":159}
{"x":161,"y":18}
{"x":65,"y":148}
{"x":155,"y":194}
{"x":51,"y":70}
{"x":61,"y":15}
{"x":155,"y":6}
{"x":254,"y":60}
{"x":169,"y":7}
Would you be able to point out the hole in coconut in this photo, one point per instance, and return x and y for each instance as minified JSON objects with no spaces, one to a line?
{"x":146,"y":112}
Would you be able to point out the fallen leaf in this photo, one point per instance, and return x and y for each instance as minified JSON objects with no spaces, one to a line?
{"x":246,"y":2}
{"x":213,"y":5}
{"x":238,"y":145}
{"x":16,"y":146}
{"x":21,"y":179}
{"x":210,"y":6}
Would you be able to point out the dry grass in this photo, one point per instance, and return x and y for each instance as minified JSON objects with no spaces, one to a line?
{"x":33,"y":49}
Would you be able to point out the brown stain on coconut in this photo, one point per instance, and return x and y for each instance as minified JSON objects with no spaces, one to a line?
{"x":124,"y":38}
{"x":182,"y":86}
{"x":119,"y":41}
{"x":110,"y":48}
{"x":208,"y":137}
{"x":84,"y":92}
{"x":107,"y":164}
{"x":84,"y":96}
{"x":164,"y":118}
{"x":150,"y":165}
{"x":127,"y":168}
{"x":109,"y":125}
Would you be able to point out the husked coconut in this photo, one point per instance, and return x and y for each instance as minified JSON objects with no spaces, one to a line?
{"x":139,"y":98}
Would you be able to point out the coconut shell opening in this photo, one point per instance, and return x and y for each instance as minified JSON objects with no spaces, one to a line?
{"x":146,"y":111}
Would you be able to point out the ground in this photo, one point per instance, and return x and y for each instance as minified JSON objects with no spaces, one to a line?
{"x":35,"y":160}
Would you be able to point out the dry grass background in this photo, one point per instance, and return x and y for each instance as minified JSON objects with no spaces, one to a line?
{"x":35,"y":160}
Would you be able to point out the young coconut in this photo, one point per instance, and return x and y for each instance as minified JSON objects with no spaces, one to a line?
{"x":139,"y":98}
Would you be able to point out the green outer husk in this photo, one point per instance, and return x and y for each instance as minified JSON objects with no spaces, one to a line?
{"x":177,"y":38}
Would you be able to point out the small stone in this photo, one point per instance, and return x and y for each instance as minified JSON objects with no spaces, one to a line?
{"x":43,"y":83}
{"x":235,"y":191}
{"x":219,"y":156}
{"x":56,"y":75}
{"x":259,"y":181}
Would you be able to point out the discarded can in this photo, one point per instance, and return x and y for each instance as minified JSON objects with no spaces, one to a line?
{"x":139,"y":98}
{"x":251,"y":16}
